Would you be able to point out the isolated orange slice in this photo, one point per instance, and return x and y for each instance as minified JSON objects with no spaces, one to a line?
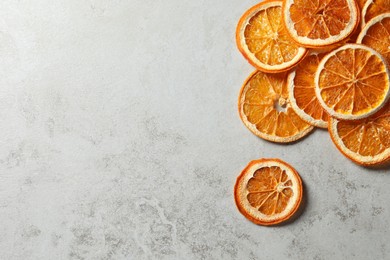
{"x":352,"y":82}
{"x":302,"y":93}
{"x":263,"y":40}
{"x":373,"y":8}
{"x":320,"y":23}
{"x":366,"y":141}
{"x":376,"y":34}
{"x":265,"y":110}
{"x":268,"y":191}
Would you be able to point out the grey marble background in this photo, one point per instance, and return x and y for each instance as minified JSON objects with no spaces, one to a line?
{"x":120,"y":139}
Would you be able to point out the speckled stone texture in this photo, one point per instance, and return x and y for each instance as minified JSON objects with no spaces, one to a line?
{"x":120,"y":139}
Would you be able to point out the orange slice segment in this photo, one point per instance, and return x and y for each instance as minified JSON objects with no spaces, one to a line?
{"x":268,"y":191}
{"x":376,"y":34}
{"x":302,"y":93}
{"x":367,"y":141}
{"x":352,"y":82}
{"x":265,"y":110}
{"x":320,"y":23}
{"x":263,"y":40}
{"x":373,"y":8}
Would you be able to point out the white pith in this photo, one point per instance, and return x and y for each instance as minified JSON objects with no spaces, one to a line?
{"x":330,"y":110}
{"x":254,"y":212}
{"x":252,"y":57}
{"x":304,"y":40}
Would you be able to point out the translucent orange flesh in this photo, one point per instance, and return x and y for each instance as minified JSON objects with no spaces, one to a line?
{"x":378,"y":38}
{"x":269,"y":190}
{"x":369,"y":137}
{"x":353,"y":82}
{"x":376,"y":8}
{"x":265,"y":106}
{"x":317,"y":19}
{"x":304,"y":88}
{"x":267,"y":38}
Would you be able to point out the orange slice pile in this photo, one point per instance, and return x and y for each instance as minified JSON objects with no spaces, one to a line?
{"x":268,"y":191}
{"x":319,"y":64}
{"x":263,"y":40}
{"x":292,"y":92}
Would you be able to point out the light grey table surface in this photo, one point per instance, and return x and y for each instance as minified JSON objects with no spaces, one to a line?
{"x":120,"y":139}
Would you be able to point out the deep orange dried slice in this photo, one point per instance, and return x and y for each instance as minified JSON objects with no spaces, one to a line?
{"x":366,"y":141}
{"x":320,"y":23}
{"x":265,"y":109}
{"x":352,"y":82}
{"x":268,"y":191}
{"x":263,"y":40}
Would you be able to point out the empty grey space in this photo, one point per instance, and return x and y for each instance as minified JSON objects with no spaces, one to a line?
{"x":120,"y":139}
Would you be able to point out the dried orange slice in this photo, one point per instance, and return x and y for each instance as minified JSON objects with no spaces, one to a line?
{"x":263,"y":40}
{"x":376,"y":34}
{"x":302,"y":92}
{"x":352,"y":82}
{"x":268,"y":191}
{"x":366,"y":141}
{"x":373,"y":8}
{"x":320,"y":23}
{"x":265,"y":110}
